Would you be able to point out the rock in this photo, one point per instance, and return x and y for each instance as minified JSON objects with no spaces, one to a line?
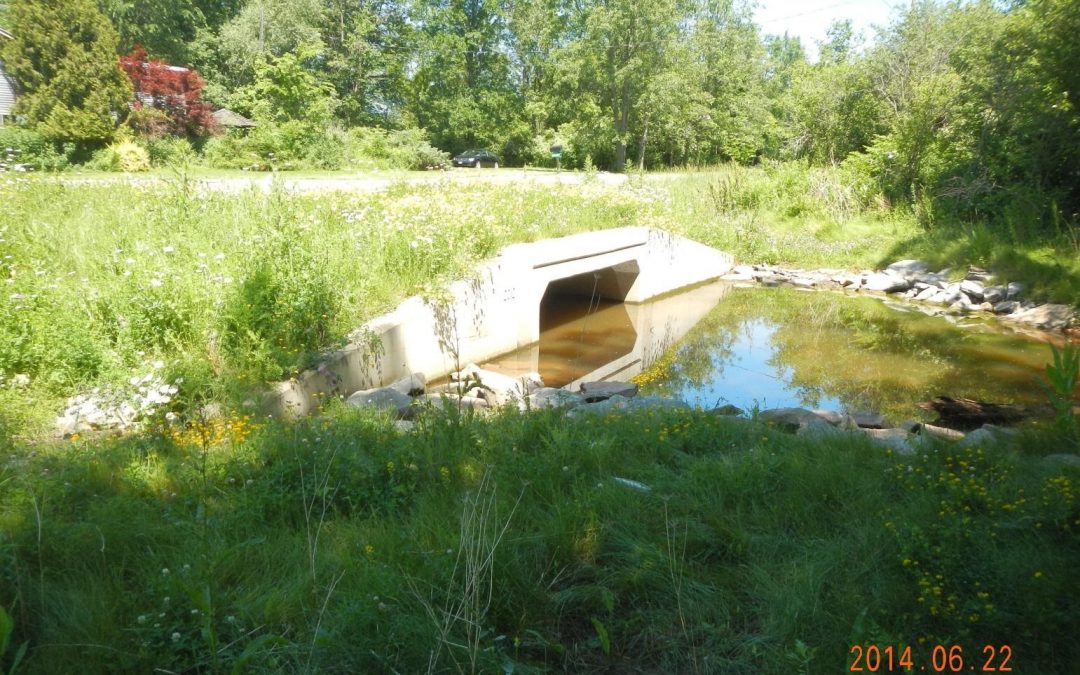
{"x":945,"y":297}
{"x":1006,"y":307}
{"x":728,"y":410}
{"x":941,"y":432}
{"x":793,"y":419}
{"x":1014,"y":290}
{"x":820,"y":428}
{"x":1047,"y":317}
{"x":599,"y":391}
{"x":907,"y":268}
{"x":972,"y":289}
{"x":1063,"y":459}
{"x":633,"y":484}
{"x":496,"y":388}
{"x":411,"y":385}
{"x":886,"y":283}
{"x":987,"y":433}
{"x":977,"y":274}
{"x":927,"y":294}
{"x":550,"y":397}
{"x":867,"y":420}
{"x":384,"y":398}
{"x":994,"y":294}
{"x":454,"y":400}
{"x":896,"y":439}
{"x":623,"y":404}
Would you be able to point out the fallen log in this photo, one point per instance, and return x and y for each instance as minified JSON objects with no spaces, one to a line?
{"x":966,"y":413}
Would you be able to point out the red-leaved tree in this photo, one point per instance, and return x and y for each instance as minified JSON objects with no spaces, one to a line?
{"x":172,"y":90}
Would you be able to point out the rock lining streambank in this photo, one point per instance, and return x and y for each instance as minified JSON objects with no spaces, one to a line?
{"x":978,"y":291}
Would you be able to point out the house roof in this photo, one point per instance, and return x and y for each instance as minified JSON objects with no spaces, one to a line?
{"x":228,"y":118}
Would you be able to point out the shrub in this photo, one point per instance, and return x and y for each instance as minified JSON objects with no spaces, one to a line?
{"x":169,"y":151}
{"x":127,"y":156}
{"x":401,"y":149}
{"x":23,"y":146}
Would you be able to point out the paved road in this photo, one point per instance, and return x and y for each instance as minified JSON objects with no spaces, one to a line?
{"x":374,"y":183}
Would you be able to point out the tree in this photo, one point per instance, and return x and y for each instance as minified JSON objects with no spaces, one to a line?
{"x":165,"y":28}
{"x":63,"y":57}
{"x":285,"y":90}
{"x":170,"y":89}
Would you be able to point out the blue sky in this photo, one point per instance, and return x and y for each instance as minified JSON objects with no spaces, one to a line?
{"x":808,"y":19}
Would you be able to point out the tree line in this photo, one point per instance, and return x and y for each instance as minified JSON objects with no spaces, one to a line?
{"x":971,"y":104}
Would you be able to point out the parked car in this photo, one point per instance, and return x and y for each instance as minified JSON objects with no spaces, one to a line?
{"x":477,"y":159}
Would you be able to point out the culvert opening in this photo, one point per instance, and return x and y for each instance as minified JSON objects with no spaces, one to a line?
{"x":584,"y":324}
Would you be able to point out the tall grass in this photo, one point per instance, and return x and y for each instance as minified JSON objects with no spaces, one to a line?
{"x":336,"y":544}
{"x":752,"y":549}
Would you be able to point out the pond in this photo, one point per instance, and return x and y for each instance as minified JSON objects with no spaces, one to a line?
{"x":769,"y":348}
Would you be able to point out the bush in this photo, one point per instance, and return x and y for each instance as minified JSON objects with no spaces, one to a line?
{"x":127,"y":156}
{"x":23,"y":146}
{"x":167,"y":151}
{"x":401,"y":149}
{"x":288,"y":145}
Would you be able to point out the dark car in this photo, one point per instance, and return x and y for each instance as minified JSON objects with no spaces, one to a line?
{"x":477,"y":159}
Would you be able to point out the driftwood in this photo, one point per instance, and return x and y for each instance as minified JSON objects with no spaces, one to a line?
{"x":966,"y":413}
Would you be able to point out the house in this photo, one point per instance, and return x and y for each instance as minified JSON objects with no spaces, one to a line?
{"x":7,"y":88}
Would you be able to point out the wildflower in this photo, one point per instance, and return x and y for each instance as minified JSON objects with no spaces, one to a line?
{"x":1038,"y":575}
{"x":142,"y":618}
{"x":168,"y":249}
{"x":155,"y":282}
{"x":165,"y":573}
{"x":176,"y":637}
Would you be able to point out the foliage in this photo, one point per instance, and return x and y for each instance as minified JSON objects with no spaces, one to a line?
{"x":1063,"y":384}
{"x":402,"y":149}
{"x":333,"y":543}
{"x":63,"y":57}
{"x":170,"y":89}
{"x":285,"y":91}
{"x":127,"y":156}
{"x":23,"y":146}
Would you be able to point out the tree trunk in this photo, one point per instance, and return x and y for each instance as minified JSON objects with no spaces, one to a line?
{"x":641,"y":147}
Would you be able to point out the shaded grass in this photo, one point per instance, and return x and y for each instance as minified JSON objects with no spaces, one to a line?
{"x":749,"y":543}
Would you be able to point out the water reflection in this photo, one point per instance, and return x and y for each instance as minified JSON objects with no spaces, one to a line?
{"x":583,"y":339}
{"x":779,"y":347}
{"x":776,"y":347}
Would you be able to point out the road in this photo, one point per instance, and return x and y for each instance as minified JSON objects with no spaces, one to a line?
{"x":375,"y":182}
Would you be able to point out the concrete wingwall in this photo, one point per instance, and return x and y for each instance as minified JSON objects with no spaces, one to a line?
{"x":498,"y":309}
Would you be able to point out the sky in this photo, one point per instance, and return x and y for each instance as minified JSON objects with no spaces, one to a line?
{"x":809,"y":19}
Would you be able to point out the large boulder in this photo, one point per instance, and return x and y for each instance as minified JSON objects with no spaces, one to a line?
{"x":599,"y":391}
{"x":383,"y":398}
{"x":794,"y":419}
{"x":623,"y":404}
{"x":886,"y":283}
{"x":907,"y":268}
{"x":551,"y":397}
{"x":411,"y":385}
{"x":1047,"y":317}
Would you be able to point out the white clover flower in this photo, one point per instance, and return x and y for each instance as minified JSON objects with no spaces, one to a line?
{"x":165,"y":573}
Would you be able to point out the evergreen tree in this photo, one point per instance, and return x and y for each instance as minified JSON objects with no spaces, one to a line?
{"x":63,"y":57}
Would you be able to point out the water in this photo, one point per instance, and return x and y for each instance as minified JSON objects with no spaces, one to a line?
{"x":780,"y":347}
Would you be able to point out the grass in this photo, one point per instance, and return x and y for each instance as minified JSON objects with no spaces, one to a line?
{"x":476,"y":545}
{"x":218,"y":542}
